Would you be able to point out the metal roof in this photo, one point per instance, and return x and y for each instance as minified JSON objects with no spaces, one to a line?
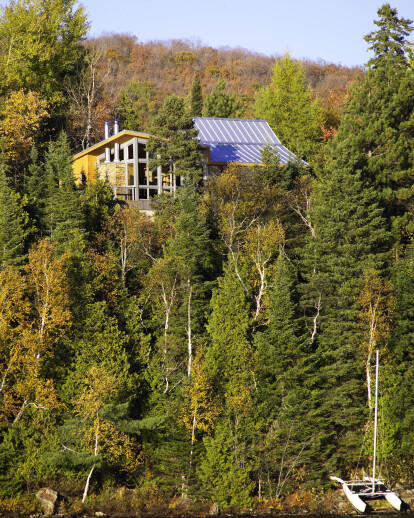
{"x":238,"y":140}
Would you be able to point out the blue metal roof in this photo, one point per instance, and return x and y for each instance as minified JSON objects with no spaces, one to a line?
{"x":238,"y":140}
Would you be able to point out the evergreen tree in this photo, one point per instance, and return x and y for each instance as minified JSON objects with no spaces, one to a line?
{"x":378,"y":127}
{"x":193,"y":251}
{"x":398,"y":368}
{"x":35,"y":189}
{"x":174,"y":144}
{"x":14,"y":224}
{"x":220,"y":103}
{"x":196,"y":97}
{"x":289,"y":108}
{"x":229,"y":354}
{"x":138,"y":102}
{"x":279,"y":345}
{"x":64,"y":219}
{"x":349,"y":239}
{"x":389,"y":42}
{"x":283,"y":430}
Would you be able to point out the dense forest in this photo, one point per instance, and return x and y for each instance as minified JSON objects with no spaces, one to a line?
{"x":220,"y":351}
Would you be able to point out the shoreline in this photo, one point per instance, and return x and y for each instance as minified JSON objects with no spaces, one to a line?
{"x":301,"y":503}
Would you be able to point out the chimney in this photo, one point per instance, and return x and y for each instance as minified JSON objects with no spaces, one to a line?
{"x":116,"y":150}
{"x":107,"y":150}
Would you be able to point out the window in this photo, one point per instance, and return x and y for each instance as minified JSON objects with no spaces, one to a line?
{"x":130,"y":174}
{"x":142,"y":174}
{"x":141,"y":151}
{"x":166,"y":177}
{"x":153,"y":177}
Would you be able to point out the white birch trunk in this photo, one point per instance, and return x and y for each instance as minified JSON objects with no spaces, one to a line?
{"x":85,"y":492}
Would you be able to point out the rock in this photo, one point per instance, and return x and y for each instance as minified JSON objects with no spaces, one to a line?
{"x":48,"y":500}
{"x":214,"y":510}
{"x":100,"y":514}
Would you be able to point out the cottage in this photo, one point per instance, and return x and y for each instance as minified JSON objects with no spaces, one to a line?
{"x":122,"y":161}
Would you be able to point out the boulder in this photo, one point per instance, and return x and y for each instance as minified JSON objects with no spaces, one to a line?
{"x":48,"y":500}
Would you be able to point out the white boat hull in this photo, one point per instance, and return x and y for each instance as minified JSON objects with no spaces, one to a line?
{"x":360,"y":491}
{"x":392,"y":498}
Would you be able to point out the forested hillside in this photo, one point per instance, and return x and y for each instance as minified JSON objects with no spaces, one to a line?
{"x":222,"y":350}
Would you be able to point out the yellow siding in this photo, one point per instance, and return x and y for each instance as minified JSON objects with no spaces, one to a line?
{"x":85,"y":164}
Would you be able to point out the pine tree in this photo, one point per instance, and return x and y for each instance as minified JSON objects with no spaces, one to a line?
{"x":220,"y":103}
{"x":35,"y":188}
{"x":229,"y":362}
{"x":192,"y":249}
{"x":378,"y":127}
{"x":398,"y":368}
{"x":196,"y":98}
{"x":283,"y":431}
{"x":279,"y":345}
{"x":14,"y":224}
{"x":178,"y":147}
{"x":350,"y":238}
{"x":389,"y":42}
{"x":289,"y":108}
{"x":138,"y":102}
{"x":64,"y":219}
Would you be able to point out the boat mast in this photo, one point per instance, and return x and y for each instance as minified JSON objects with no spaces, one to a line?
{"x":375,"y":422}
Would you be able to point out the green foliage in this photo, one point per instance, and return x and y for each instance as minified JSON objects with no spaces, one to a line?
{"x":289,"y":108}
{"x":220,"y":103}
{"x":378,"y":129}
{"x":103,"y":344}
{"x":181,"y":151}
{"x":389,"y":42}
{"x":224,"y":479}
{"x":97,"y":207}
{"x":228,"y":325}
{"x":138,"y":103}
{"x":14,"y":224}
{"x":63,"y":216}
{"x":215,"y":351}
{"x":349,"y":238}
{"x":196,"y":97}
{"x":42,"y":46}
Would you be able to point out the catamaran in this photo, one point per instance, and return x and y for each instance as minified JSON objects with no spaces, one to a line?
{"x":360,"y":492}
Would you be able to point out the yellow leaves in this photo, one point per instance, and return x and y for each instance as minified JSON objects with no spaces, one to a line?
{"x":185,"y":57}
{"x":101,"y":436}
{"x":202,"y":412}
{"x":239,"y":399}
{"x":119,"y":448}
{"x":99,"y":386}
{"x":34,"y":313}
{"x":262,"y":241}
{"x":50,"y":289}
{"x":377,"y":303}
{"x":22,"y":116}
